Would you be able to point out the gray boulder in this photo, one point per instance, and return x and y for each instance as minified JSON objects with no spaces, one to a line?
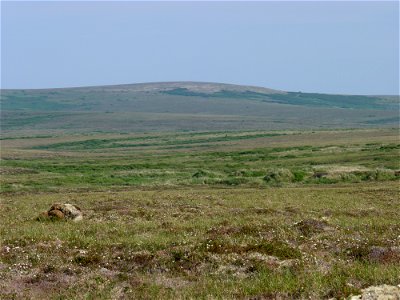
{"x":381,"y":292}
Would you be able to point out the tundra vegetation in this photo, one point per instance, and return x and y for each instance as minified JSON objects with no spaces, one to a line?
{"x":178,"y":203}
{"x":249,"y":214}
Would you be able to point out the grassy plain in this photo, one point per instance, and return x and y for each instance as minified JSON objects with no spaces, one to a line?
{"x":238,"y":214}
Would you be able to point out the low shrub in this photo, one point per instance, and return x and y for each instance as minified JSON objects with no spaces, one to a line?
{"x":279,"y":175}
{"x":299,"y":175}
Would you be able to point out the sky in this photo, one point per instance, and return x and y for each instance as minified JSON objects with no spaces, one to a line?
{"x":328,"y":47}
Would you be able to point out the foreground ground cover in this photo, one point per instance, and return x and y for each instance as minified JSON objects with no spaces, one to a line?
{"x":317,"y":242}
{"x":248,"y":215}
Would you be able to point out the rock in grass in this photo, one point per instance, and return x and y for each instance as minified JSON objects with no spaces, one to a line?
{"x":55,"y":213}
{"x":381,"y":292}
{"x":61,"y":211}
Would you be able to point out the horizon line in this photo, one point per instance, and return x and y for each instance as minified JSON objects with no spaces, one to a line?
{"x":189,"y":81}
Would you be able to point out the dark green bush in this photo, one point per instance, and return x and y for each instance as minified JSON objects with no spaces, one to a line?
{"x":278,"y":176}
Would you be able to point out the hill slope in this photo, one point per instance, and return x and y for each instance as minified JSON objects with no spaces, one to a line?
{"x":189,"y":106}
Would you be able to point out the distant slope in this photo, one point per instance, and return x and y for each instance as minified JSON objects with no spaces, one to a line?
{"x":239,"y":106}
{"x":130,"y":96}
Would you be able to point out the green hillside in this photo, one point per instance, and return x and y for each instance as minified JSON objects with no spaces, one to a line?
{"x":189,"y":106}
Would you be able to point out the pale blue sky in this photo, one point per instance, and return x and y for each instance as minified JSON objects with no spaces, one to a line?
{"x":332,"y":47}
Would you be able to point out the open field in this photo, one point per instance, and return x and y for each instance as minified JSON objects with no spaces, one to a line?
{"x":251,"y":159}
{"x":238,"y":214}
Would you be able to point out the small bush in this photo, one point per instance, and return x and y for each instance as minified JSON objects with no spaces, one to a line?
{"x":298,"y":176}
{"x":378,"y":174}
{"x":349,"y":177}
{"x":199,"y":174}
{"x":382,"y":174}
{"x":279,"y":175}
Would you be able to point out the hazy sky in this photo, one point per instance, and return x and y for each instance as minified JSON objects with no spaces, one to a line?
{"x":333,"y":47}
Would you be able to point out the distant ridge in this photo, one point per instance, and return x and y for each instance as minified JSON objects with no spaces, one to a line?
{"x":175,"y":106}
{"x":161,"y":86}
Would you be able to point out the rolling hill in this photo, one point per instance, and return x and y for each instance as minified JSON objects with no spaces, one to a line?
{"x":170,"y":106}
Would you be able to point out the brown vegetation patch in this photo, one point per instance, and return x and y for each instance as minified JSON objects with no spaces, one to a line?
{"x":16,"y":171}
{"x":223,"y":230}
{"x":37,"y":285}
{"x":262,"y":211}
{"x":375,"y":254}
{"x":141,"y":258}
{"x":86,"y":258}
{"x":309,"y":227}
{"x":274,"y":248}
{"x":384,"y":254}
